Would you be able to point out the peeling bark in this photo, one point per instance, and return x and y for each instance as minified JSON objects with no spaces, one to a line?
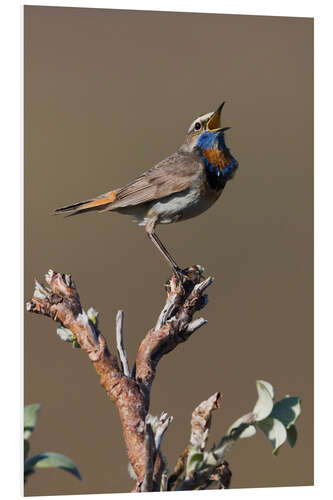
{"x":61,"y":302}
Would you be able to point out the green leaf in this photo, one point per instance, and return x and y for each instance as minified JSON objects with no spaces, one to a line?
{"x":275,"y":432}
{"x":195,"y":458}
{"x":26,"y":448}
{"x":268,"y":387}
{"x":287,"y":410}
{"x":51,"y":459}
{"x":264,"y":405}
{"x":292,"y":435}
{"x":249,"y":432}
{"x":245,"y":419}
{"x":31,"y":414}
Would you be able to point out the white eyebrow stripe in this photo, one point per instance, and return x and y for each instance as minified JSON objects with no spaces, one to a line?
{"x":200,"y":119}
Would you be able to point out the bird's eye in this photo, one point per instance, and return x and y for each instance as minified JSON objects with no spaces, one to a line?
{"x":197,"y":126}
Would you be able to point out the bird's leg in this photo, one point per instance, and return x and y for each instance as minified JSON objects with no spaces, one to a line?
{"x":157,"y":242}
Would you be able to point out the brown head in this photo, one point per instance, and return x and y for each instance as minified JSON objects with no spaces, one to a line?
{"x":209,"y":121}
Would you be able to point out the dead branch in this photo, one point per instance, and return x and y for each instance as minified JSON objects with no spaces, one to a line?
{"x":147,"y":483}
{"x":120,"y":343}
{"x":201,"y":421}
{"x":173,"y":328}
{"x":210,"y":466}
{"x":222,"y":476}
{"x":200,"y":426}
{"x":162,"y":425}
{"x":61,"y":302}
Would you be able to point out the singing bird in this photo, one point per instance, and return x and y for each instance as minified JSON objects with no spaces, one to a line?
{"x":181,"y":186}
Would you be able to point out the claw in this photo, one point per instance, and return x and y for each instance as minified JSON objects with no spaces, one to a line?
{"x":186,"y":278}
{"x":194,"y":273}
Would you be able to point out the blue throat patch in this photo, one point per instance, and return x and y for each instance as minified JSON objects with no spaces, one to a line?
{"x":217,"y":176}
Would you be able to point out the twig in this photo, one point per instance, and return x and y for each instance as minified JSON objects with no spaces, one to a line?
{"x":222,"y":475}
{"x":150,"y":452}
{"x":195,"y":325}
{"x":212,"y":461}
{"x":200,"y":426}
{"x":120,"y":343}
{"x":170,"y":305}
{"x":162,"y":426}
{"x":201,"y":421}
{"x":175,"y":478}
{"x":166,"y":311}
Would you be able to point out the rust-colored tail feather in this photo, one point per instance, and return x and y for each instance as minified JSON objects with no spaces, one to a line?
{"x":88,"y":205}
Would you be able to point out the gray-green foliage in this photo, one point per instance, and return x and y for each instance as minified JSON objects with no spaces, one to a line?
{"x":47,"y":458}
{"x":275,"y":419}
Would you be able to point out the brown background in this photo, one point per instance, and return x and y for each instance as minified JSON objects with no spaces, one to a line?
{"x":108,"y":94}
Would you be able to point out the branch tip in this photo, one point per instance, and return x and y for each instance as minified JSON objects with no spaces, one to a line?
{"x":120,"y":343}
{"x":201,"y":420}
{"x":195,"y":325}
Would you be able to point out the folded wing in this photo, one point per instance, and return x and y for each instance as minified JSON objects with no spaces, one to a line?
{"x":172,"y":175}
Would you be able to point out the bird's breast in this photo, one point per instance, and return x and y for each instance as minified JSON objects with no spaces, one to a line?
{"x":220,"y":166}
{"x":185,"y":204}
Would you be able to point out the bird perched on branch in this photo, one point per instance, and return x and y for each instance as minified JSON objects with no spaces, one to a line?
{"x":182,"y":186}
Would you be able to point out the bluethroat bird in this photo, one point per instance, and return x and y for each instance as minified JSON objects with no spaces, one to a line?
{"x":182,"y":186}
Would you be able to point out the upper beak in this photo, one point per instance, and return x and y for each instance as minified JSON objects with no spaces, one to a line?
{"x":213,"y":123}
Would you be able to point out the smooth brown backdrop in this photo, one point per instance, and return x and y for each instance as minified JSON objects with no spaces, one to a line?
{"x":107,"y":94}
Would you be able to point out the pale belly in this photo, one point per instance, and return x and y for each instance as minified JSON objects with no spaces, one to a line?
{"x":173,"y":208}
{"x":182,"y":206}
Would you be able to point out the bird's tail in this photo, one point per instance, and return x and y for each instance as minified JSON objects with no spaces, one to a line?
{"x":99,"y":203}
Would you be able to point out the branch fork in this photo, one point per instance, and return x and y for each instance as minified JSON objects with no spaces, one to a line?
{"x":60,"y":301}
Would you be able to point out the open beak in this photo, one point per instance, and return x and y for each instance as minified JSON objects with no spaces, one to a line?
{"x":213,"y":124}
{"x":214,"y":121}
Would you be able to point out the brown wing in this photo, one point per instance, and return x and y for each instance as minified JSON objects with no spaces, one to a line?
{"x":172,"y":175}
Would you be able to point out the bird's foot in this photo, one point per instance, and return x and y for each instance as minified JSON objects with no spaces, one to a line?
{"x":187,"y":278}
{"x":194,"y":273}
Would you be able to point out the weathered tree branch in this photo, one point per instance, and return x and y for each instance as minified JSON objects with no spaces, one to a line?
{"x":200,"y":426}
{"x":210,"y":465}
{"x":196,"y":468}
{"x":173,"y":328}
{"x":162,"y":425}
{"x":150,"y":452}
{"x":120,"y":344}
{"x":201,"y":421}
{"x":222,"y":476}
{"x":61,"y":302}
